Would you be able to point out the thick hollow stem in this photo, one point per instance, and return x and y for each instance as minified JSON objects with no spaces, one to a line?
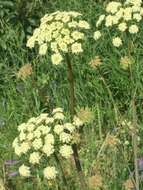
{"x":72,"y":113}
{"x":71,"y":88}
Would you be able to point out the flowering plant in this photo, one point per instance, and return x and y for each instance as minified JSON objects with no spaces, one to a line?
{"x":121,"y":19}
{"x":43,"y":137}
{"x":61,"y":32}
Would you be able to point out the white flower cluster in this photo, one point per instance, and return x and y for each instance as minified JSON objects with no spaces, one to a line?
{"x":60,"y":31}
{"x":42,"y":136}
{"x":121,"y":18}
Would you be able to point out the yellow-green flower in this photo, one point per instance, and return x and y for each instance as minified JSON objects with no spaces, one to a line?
{"x":62,"y":32}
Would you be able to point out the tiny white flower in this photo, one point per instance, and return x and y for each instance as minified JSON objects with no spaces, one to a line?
{"x":73,"y":24}
{"x":56,"y":58}
{"x":54,"y":46}
{"x":122,"y":26}
{"x":32,"y":120}
{"x":76,"y":48}
{"x":83,"y":24}
{"x":70,"y":127}
{"x":30,"y":136}
{"x":117,"y":42}
{"x":63,"y":47}
{"x":15,"y":142}
{"x":37,"y":133}
{"x":22,"y":136}
{"x":77,"y":35}
{"x":97,"y":35}
{"x":133,"y":29}
{"x":48,"y":149}
{"x":59,"y":116}
{"x":34,"y":158}
{"x":113,"y":7}
{"x":49,"y":139}
{"x":22,"y":127}
{"x":65,"y":137}
{"x":137,"y":17}
{"x":31,"y":42}
{"x":109,"y":21}
{"x":66,"y":151}
{"x":37,"y":144}
{"x":24,"y":171}
{"x":49,"y":120}
{"x":50,"y":173}
{"x":77,"y":122}
{"x":58,"y":129}
{"x":25,"y":147}
{"x":44,"y":129}
{"x":30,"y":127}
{"x":57,"y":110}
{"x":100,"y":20}
{"x":18,"y":150}
{"x":43,"y":49}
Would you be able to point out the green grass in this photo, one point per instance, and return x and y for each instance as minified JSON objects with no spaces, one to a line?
{"x":107,"y":91}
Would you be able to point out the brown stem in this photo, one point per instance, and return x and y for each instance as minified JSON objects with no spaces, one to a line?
{"x":71,"y":88}
{"x":72,"y":113}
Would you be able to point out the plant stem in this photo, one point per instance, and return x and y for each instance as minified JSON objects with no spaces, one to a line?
{"x":116,"y":111}
{"x":72,"y":113}
{"x":71,"y":88}
{"x":99,"y":123}
{"x":62,"y":171}
{"x":135,"y":146}
{"x":134,"y":133}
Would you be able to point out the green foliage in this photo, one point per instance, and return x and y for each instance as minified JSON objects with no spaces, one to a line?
{"x":107,"y":89}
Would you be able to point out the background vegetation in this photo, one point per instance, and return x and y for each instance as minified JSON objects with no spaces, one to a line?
{"x":107,"y":90}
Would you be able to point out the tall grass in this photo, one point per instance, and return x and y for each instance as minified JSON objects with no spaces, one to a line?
{"x":107,"y":90}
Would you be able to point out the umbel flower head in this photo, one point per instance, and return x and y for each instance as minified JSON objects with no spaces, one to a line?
{"x":62,"y":32}
{"x":40,"y":138}
{"x":120,"y":18}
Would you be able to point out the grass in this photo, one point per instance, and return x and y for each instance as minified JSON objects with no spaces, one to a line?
{"x":106,"y":90}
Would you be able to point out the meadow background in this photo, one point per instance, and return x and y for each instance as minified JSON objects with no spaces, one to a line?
{"x":106,"y":89}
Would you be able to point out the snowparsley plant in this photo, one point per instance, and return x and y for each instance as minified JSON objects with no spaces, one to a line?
{"x":119,"y":19}
{"x":60,"y":32}
{"x":40,"y":138}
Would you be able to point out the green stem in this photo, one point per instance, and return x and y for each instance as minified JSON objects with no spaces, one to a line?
{"x":99,"y":123}
{"x":111,"y":97}
{"x":135,"y":146}
{"x":134,"y":114}
{"x":62,"y":171}
{"x":72,"y":113}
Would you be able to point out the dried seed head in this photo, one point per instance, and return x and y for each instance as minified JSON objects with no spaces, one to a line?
{"x":128,"y":184}
{"x":95,"y":181}
{"x":95,"y":62}
{"x":85,"y":115}
{"x":24,"y":71}
{"x":125,"y":62}
{"x":112,"y":140}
